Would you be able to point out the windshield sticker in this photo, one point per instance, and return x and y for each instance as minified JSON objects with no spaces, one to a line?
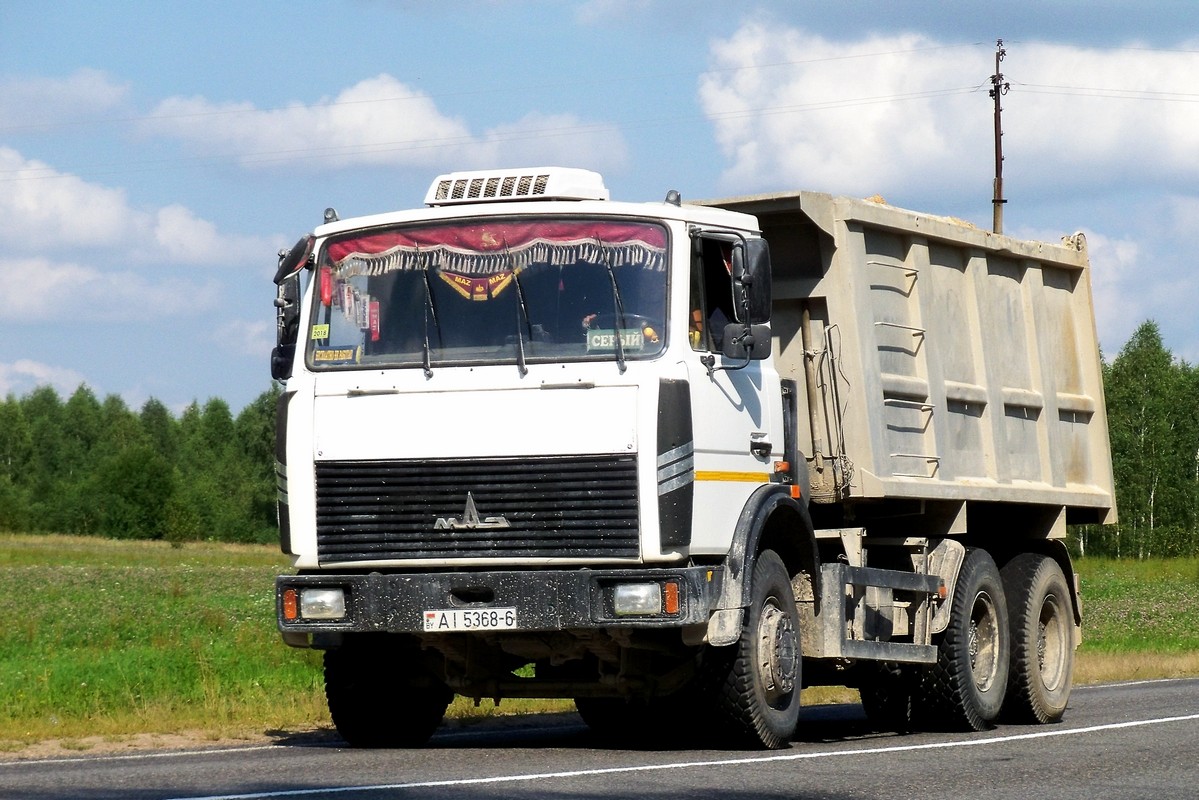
{"x":477,"y":288}
{"x":336,"y":355}
{"x":320,"y":331}
{"x":605,"y":340}
{"x":362,"y":315}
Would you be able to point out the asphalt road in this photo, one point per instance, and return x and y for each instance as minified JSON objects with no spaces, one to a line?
{"x":1131,"y":740}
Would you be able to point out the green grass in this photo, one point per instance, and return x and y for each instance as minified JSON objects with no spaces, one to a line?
{"x":1140,"y":606}
{"x":108,"y":637}
{"x":111,"y":638}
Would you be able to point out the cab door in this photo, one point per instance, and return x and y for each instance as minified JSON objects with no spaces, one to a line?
{"x":733,"y":401}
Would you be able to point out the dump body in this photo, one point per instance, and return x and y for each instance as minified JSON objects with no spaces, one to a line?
{"x":954,"y":364}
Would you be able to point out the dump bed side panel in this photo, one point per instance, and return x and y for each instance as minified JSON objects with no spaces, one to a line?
{"x":946,"y":362}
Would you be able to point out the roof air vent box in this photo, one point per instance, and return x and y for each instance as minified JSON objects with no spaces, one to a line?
{"x":542,"y":183}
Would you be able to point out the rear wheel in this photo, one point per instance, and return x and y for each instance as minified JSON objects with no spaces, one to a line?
{"x":756,"y":682}
{"x":1042,"y":627}
{"x":381,"y":695}
{"x":965,"y":689}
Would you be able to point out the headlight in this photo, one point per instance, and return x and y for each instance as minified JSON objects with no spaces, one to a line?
{"x":323,"y":603}
{"x":638,"y":598}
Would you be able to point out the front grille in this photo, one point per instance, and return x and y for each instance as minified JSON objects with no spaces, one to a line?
{"x":564,"y":507}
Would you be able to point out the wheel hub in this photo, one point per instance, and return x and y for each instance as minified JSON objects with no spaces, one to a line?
{"x":778,"y":655}
{"x":983,"y":642}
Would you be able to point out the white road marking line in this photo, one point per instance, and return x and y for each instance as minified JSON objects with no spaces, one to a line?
{"x":583,"y":773}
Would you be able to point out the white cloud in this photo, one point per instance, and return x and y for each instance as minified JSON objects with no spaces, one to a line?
{"x":884,"y":113}
{"x":1119,"y":308}
{"x":377,"y":121}
{"x":1133,"y":280}
{"x":46,"y":212}
{"x":254,"y":339}
{"x":38,"y":290}
{"x":1105,"y":117}
{"x":539,"y":139}
{"x":23,"y":375}
{"x":181,"y":237}
{"x":29,"y":103}
{"x":44,"y":209}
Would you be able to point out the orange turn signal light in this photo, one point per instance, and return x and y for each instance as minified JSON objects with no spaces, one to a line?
{"x":670,"y":598}
{"x":291,"y":604}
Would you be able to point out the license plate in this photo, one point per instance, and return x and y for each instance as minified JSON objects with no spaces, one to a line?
{"x":470,"y":619}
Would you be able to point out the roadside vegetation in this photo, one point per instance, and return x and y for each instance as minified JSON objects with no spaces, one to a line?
{"x":113,"y":638}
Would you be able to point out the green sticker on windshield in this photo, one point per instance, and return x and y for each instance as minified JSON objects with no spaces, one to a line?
{"x":320,"y":331}
{"x":605,"y":340}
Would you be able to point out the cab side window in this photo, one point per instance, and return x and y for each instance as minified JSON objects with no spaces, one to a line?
{"x":711,"y":304}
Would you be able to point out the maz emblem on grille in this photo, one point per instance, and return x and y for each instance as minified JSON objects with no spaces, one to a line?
{"x":470,"y":519}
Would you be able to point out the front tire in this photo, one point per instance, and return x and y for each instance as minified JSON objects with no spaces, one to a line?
{"x":381,"y":695}
{"x":965,"y":689}
{"x":1042,"y":627}
{"x":758,"y":679}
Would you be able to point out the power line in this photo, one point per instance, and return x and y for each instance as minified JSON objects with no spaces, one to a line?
{"x":487,"y":91}
{"x":410,"y":145}
{"x":359,"y":150}
{"x":1107,"y":92}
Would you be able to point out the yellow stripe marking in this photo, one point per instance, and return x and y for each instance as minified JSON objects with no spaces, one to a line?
{"x":740,"y":477}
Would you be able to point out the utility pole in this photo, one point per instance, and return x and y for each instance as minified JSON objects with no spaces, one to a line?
{"x":999,"y":87}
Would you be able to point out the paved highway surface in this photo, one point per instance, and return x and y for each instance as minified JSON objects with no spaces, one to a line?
{"x":1130,"y":740}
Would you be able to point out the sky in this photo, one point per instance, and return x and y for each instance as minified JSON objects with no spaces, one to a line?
{"x":155,"y":156}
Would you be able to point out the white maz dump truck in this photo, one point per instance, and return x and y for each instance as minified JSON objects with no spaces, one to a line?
{"x":678,"y":461}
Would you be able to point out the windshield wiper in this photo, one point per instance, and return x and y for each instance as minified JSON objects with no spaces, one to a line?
{"x":617,"y":302}
{"x":522,"y":315}
{"x":430,"y":311}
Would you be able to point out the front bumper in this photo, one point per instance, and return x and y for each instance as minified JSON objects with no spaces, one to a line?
{"x":545,"y":600}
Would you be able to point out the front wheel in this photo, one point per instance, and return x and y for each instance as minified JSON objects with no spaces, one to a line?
{"x":965,"y":689}
{"x":1042,"y":626}
{"x":380,"y":694}
{"x":757,"y":680}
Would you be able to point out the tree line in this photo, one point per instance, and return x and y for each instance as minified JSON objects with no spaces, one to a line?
{"x":92,"y":467}
{"x":1153,"y":420}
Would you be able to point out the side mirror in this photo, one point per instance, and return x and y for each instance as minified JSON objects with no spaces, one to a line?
{"x":751,"y":281}
{"x":287,"y":326}
{"x":281,"y":360}
{"x":293,"y":260}
{"x":287,"y":305}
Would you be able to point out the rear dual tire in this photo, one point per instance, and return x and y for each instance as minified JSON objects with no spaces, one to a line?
{"x":966,"y":687}
{"x":1007,"y":655}
{"x":1041,"y":614}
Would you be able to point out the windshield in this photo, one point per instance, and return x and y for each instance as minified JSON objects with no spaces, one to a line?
{"x":490,"y":291}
